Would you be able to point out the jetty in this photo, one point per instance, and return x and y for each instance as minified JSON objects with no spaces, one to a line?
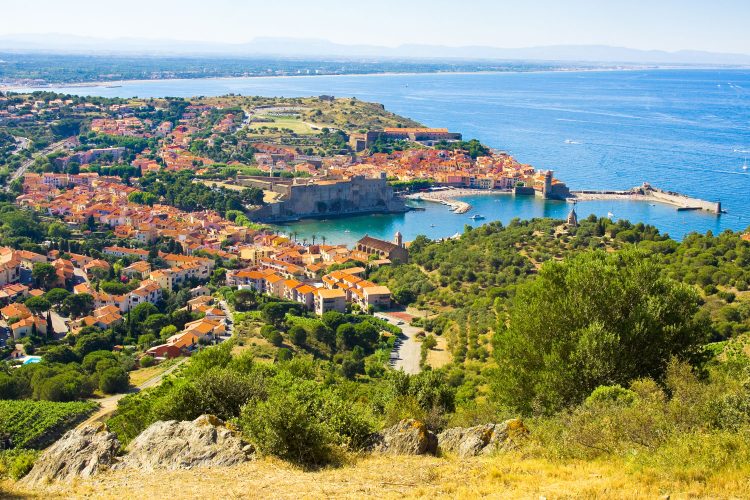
{"x":647,"y":192}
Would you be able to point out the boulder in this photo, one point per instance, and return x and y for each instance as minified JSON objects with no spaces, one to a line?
{"x":482,"y":439}
{"x":408,"y":437}
{"x":203,"y":442}
{"x":79,"y":453}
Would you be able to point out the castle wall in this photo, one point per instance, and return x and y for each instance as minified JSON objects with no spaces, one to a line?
{"x":333,"y":198}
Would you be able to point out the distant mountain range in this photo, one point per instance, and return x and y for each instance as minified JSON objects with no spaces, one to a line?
{"x":314,"y":48}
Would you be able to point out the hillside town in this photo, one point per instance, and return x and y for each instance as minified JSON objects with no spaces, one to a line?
{"x":160,"y":198}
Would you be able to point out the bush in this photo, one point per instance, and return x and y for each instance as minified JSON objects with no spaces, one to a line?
{"x":272,"y":335}
{"x":114,"y":380}
{"x":15,"y":464}
{"x":284,"y":426}
{"x":298,"y":335}
{"x":147,"y":361}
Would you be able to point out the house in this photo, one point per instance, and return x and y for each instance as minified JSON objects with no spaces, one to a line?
{"x":329,"y":300}
{"x":15,"y":310}
{"x":305,"y":295}
{"x":26,"y":326}
{"x":126,"y":252}
{"x":13,"y":293}
{"x":183,"y":340}
{"x":104,"y":317}
{"x":99,"y":264}
{"x":138,"y":270}
{"x":200,"y":291}
{"x":10,"y":267}
{"x":164,"y":351}
{"x":205,"y":328}
{"x":376,"y":296}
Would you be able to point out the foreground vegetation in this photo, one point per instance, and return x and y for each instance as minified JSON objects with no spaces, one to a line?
{"x":29,"y":426}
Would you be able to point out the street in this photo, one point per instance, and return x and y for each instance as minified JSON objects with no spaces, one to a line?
{"x":406,"y":350}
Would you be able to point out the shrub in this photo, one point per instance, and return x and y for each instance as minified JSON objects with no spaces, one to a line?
{"x":147,"y":361}
{"x":272,"y":335}
{"x":114,"y":380}
{"x":298,"y":335}
{"x":16,"y":463}
{"x":285,"y":426}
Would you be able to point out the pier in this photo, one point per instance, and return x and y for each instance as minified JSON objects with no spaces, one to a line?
{"x":647,"y":192}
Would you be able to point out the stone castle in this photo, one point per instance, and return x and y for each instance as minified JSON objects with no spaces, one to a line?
{"x":333,"y":197}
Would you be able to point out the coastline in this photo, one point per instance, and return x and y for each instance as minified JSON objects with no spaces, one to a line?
{"x":108,"y":83}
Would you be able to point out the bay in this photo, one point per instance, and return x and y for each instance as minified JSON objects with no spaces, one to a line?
{"x":681,"y":130}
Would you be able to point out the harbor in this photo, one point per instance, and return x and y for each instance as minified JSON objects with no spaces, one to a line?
{"x":452,"y":198}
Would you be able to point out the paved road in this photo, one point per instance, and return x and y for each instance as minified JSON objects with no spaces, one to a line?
{"x":52,"y":148}
{"x":21,"y":143}
{"x":406,"y":351}
{"x":59,"y":324}
{"x":108,"y":405}
{"x":230,"y":319}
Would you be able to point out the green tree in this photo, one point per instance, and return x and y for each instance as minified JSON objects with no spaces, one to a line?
{"x":43,"y":274}
{"x":595,"y":319}
{"x":77,"y":305}
{"x":56,"y":296}
{"x":37,"y":304}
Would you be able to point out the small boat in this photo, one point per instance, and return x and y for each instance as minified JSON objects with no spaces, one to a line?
{"x":610,"y":214}
{"x":432,"y":225}
{"x":347,"y":231}
{"x":744,"y":165}
{"x":477,"y":217}
{"x":571,"y":141}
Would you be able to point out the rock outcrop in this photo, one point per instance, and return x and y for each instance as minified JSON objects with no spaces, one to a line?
{"x":408,"y":437}
{"x":79,"y":453}
{"x":482,"y":439}
{"x":204,"y":442}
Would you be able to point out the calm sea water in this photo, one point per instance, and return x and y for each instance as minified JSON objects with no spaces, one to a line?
{"x":682,"y":130}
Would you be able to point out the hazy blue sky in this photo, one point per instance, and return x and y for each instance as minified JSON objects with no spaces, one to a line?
{"x":714,"y":25}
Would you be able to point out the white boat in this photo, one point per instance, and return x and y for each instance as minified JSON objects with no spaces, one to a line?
{"x":744,"y":165}
{"x":571,"y":141}
{"x":477,"y":217}
{"x":610,"y":214}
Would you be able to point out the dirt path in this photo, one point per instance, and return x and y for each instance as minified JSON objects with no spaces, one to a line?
{"x":108,"y":405}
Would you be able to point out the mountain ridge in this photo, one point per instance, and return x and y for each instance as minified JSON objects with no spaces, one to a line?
{"x":316,"y":47}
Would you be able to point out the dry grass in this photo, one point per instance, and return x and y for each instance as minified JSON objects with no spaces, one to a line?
{"x":139,"y":376}
{"x":508,"y":476}
{"x":440,"y":355}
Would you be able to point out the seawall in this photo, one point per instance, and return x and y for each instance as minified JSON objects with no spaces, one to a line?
{"x":646,"y":192}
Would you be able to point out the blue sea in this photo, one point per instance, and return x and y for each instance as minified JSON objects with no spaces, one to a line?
{"x":681,"y":130}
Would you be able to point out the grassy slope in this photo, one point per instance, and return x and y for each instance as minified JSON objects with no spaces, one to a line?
{"x":509,"y":476}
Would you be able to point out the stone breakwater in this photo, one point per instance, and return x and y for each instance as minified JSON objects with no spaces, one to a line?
{"x":649,"y":193}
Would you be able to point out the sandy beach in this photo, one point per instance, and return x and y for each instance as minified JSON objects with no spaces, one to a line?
{"x":448,"y":197}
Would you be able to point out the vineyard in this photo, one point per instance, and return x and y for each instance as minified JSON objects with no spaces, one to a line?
{"x":37,"y":424}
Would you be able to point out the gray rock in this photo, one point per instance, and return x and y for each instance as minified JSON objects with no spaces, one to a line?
{"x":204,"y":442}
{"x":80,"y":452}
{"x":482,"y":439}
{"x":408,"y":437}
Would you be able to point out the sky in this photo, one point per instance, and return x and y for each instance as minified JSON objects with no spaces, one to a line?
{"x":710,"y":25}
